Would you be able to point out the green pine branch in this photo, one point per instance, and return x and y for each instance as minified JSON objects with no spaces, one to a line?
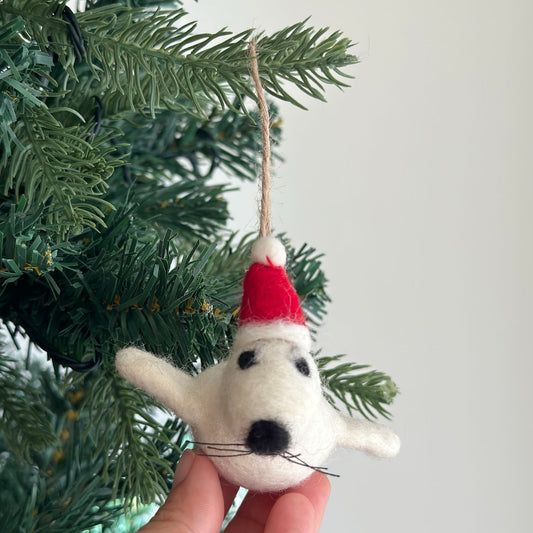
{"x":61,"y":481}
{"x":183,"y":145}
{"x":189,"y":208}
{"x":24,"y":420}
{"x":225,"y":270}
{"x":148,"y":60}
{"x":91,"y":4}
{"x":112,"y":124}
{"x":23,"y":248}
{"x":81,"y":301}
{"x":149,"y":54}
{"x":139,"y":450}
{"x":309,"y":280}
{"x":66,"y":75}
{"x":359,"y":389}
{"x":63,"y":169}
{"x":44,"y":27}
{"x":104,"y":289}
{"x":24,"y":74}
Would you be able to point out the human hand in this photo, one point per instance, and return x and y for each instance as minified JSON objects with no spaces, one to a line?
{"x":199,"y":500}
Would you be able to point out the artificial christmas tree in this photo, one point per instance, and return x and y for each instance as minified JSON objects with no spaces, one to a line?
{"x":112,"y":232}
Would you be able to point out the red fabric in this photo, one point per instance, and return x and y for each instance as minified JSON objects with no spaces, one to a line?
{"x":269,"y":295}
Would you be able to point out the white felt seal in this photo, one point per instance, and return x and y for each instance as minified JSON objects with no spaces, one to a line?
{"x":260,"y":415}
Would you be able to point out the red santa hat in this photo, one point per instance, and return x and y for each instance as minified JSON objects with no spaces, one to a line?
{"x":270,"y":306}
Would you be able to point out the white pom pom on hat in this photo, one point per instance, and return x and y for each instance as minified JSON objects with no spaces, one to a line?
{"x":269,"y":251}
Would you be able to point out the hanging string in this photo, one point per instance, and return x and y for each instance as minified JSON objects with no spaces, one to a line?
{"x":264,"y":219}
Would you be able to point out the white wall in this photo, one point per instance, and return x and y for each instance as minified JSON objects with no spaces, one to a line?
{"x":417,"y":185}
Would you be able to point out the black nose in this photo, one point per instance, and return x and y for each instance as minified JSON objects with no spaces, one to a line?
{"x":267,"y":437}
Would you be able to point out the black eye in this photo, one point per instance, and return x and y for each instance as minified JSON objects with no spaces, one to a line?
{"x":246,"y":359}
{"x":302,"y":366}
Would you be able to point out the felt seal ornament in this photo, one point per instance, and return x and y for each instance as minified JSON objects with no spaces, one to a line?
{"x":260,"y":415}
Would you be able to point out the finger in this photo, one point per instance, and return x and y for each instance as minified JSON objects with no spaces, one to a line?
{"x":256,"y":508}
{"x":292,"y":513}
{"x":316,"y":489}
{"x":229,"y":492}
{"x":195,"y":503}
{"x":253,"y":513}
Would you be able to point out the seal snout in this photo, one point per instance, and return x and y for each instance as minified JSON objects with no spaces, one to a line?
{"x":267,"y":437}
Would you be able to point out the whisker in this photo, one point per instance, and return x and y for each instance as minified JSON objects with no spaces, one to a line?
{"x":203,"y":454}
{"x":295,"y":459}
{"x":222,"y":449}
{"x":233,"y":449}
{"x":239,"y":449}
{"x":217,"y":443}
{"x":322,"y":470}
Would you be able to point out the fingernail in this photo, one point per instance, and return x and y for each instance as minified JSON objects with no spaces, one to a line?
{"x":184,"y":465}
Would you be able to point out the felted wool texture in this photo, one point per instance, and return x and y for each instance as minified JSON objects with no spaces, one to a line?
{"x":272,"y":388}
{"x":162,"y":380}
{"x":269,"y":295}
{"x":368,"y":437}
{"x":224,"y":401}
{"x":278,"y":329}
{"x":269,"y":251}
{"x":276,"y":387}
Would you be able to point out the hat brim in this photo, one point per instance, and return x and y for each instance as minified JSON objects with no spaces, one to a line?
{"x":248,"y":333}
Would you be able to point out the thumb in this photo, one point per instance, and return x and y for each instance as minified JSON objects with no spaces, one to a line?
{"x":195,"y":503}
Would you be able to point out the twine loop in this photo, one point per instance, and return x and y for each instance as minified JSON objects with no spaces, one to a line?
{"x":264,"y":218}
